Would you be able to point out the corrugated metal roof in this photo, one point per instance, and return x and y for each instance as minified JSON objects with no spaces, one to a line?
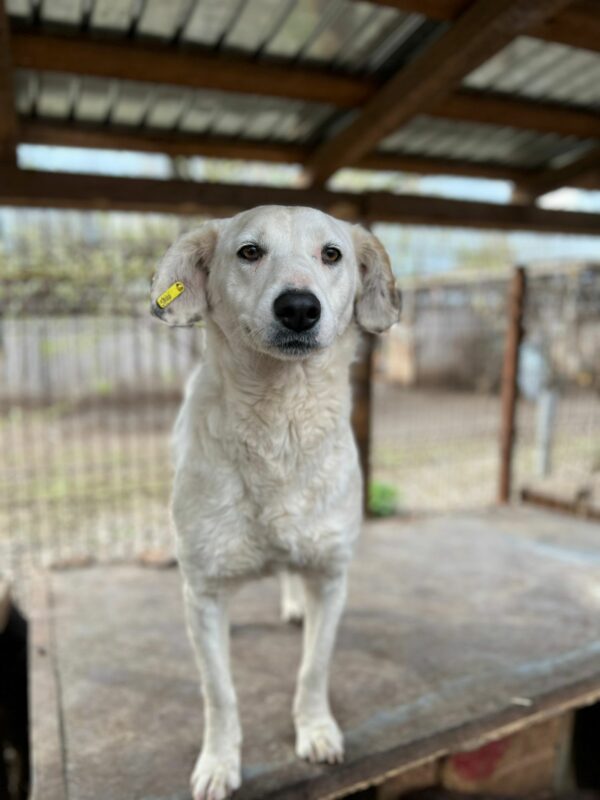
{"x":467,"y":141}
{"x":539,"y":70}
{"x":344,"y":34}
{"x":60,"y":96}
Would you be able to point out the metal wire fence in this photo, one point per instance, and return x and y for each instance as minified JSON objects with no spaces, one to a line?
{"x":437,"y":410}
{"x":91,"y":385}
{"x":558,"y":420}
{"x":436,"y":414}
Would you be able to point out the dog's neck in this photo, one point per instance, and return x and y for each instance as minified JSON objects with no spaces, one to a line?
{"x":256,"y":380}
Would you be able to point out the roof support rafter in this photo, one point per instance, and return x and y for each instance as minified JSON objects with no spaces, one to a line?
{"x":65,"y":190}
{"x":57,"y":53}
{"x":551,"y":179}
{"x":482,"y":30}
{"x":69,"y":134}
{"x":126,"y":60}
{"x":8,"y":114}
{"x":496,"y":109}
{"x":577,"y":26}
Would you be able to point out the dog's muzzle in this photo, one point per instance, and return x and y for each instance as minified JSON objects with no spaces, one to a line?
{"x":298,"y":311}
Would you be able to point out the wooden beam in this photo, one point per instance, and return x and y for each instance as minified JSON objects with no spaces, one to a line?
{"x":482,"y":30}
{"x":577,"y":26}
{"x":126,"y":60}
{"x":441,"y":10}
{"x":551,"y":179}
{"x":8,"y":114}
{"x":496,"y":109}
{"x":578,"y":508}
{"x":65,"y":190}
{"x":68,"y":190}
{"x":420,"y":210}
{"x":69,"y":134}
{"x":429,"y":165}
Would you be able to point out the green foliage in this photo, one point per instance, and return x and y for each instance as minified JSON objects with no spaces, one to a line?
{"x":93,"y":267}
{"x":383,"y":499}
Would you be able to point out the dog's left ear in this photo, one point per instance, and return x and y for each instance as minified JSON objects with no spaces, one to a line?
{"x":378,"y":302}
{"x":179,"y":285}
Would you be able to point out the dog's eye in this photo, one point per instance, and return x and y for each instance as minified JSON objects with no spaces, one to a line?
{"x":330,"y":254}
{"x":250,"y":252}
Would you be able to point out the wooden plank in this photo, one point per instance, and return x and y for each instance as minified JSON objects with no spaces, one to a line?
{"x":71,"y":134}
{"x":510,"y":369}
{"x":482,"y":30}
{"x":67,"y":190}
{"x":577,"y":26}
{"x":564,"y":505}
{"x":410,"y":780}
{"x":441,"y":10}
{"x":419,"y":670}
{"x":524,"y":764}
{"x":8,"y":113}
{"x":68,"y":134}
{"x":497,"y":109}
{"x":551,"y":179}
{"x":420,"y":210}
{"x":429,"y":165}
{"x":128,"y":60}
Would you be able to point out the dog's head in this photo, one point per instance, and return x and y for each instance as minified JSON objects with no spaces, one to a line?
{"x":285,"y":281}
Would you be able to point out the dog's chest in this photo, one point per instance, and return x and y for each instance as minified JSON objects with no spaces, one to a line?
{"x":274,"y":484}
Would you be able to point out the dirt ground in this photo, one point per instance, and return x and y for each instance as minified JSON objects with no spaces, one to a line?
{"x":440,"y":449}
{"x":96,"y":482}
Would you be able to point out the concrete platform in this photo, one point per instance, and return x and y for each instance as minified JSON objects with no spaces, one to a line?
{"x":458,"y":630}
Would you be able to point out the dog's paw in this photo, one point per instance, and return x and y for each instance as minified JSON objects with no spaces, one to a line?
{"x":320,"y":741}
{"x":215,"y":777}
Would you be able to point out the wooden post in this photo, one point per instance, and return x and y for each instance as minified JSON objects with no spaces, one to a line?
{"x":510,"y":369}
{"x":8,"y":113}
{"x":362,"y":382}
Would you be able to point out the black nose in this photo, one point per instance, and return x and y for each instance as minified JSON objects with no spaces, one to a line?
{"x":298,"y":311}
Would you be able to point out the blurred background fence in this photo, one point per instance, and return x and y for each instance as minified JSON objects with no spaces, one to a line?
{"x":437,"y":409}
{"x":91,"y":384}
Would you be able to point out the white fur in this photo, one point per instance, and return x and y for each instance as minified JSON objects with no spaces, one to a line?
{"x":267,"y":474}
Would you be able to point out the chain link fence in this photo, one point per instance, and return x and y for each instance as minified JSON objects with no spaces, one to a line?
{"x":437,"y":411}
{"x":558,"y":417}
{"x":90,"y":386}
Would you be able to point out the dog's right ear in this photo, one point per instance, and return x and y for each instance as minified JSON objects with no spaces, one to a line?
{"x":179,"y":285}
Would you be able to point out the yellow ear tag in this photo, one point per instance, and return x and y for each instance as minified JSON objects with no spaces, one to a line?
{"x":166,"y":298}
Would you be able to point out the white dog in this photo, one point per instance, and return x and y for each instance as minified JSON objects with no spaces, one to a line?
{"x":267,"y":475}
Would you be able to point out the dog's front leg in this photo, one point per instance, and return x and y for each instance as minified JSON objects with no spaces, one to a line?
{"x":318,"y":737}
{"x":217,"y":771}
